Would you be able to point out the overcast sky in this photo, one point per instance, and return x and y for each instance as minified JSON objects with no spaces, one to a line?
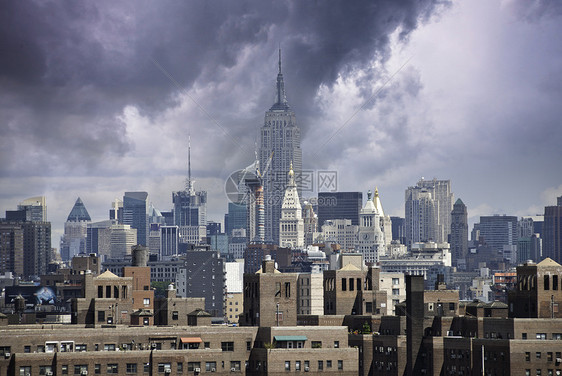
{"x":99,"y":98}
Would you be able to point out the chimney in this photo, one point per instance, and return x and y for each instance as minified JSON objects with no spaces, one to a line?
{"x":268,"y":265}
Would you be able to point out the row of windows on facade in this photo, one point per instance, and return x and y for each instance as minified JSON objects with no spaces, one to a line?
{"x":529,"y":282}
{"x":130,"y":368}
{"x":108,"y":289}
{"x":538,"y":372}
{"x":329,"y":284}
{"x":306,"y":365}
{"x":251,"y":290}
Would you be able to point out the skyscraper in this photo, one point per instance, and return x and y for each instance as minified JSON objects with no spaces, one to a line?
{"x":459,"y":234}
{"x":499,"y":231}
{"x":428,"y":211}
{"x":135,"y":214}
{"x":280,"y":136}
{"x":339,"y":205}
{"x":552,"y":231}
{"x":370,"y":237}
{"x":35,"y":209}
{"x":73,"y":241}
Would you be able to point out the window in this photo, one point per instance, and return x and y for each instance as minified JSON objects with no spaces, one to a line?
{"x":451,"y":306}
{"x":430,"y":306}
{"x":395,"y":291}
{"x":395,"y":281}
{"x":193,"y":346}
{"x":27,"y":349}
{"x":523,"y":335}
{"x":549,"y":356}
{"x":146,"y":367}
{"x":101,"y":316}
{"x":328,"y":364}
{"x":175,"y":315}
{"x":25,"y":370}
{"x":210,"y":366}
{"x":557,"y":336}
{"x":287,"y":289}
{"x":235,"y":365}
{"x":227,"y":346}
{"x":538,"y":354}
{"x":112,"y":368}
{"x":192,"y":365}
{"x":344,"y":284}
{"x":306,"y":365}
{"x":207,"y":345}
{"x":97,"y":369}
{"x":336,"y":344}
{"x":81,"y":347}
{"x":163,"y":367}
{"x":320,"y":365}
{"x":131,"y":367}
{"x":64,"y":369}
{"x":43,"y":370}
{"x":340,"y":364}
{"x":109,"y":347}
{"x":555,"y":282}
{"x":528,"y":356}
{"x":100,"y":291}
{"x":278,"y":289}
{"x":108,"y":291}
{"x":298,"y":365}
{"x":287,"y":365}
{"x":316,"y":344}
{"x":248,"y":345}
{"x":539,"y":372}
{"x":541,"y":335}
{"x":351,"y":284}
{"x":80,"y":369}
{"x":146,"y":301}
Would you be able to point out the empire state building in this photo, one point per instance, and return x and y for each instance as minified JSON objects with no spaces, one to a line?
{"x":280,"y":136}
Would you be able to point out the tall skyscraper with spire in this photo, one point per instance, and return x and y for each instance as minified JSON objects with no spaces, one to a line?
{"x":280,"y":136}
{"x":190,"y":206}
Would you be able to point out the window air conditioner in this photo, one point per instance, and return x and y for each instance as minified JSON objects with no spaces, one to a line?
{"x":167,"y":370}
{"x":197,"y":370}
{"x":306,"y":369}
{"x":84,"y":372}
{"x":558,"y":360}
{"x":213,"y":370}
{"x":233,"y":369}
{"x":49,"y":373}
{"x":7,"y":355}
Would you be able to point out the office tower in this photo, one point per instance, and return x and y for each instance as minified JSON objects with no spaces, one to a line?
{"x":340,"y":231}
{"x":552,"y":231}
{"x":95,"y":238}
{"x":398,"y":229}
{"x":428,"y":211}
{"x":190,"y":207}
{"x":135,"y":214}
{"x":35,"y":209}
{"x":291,"y":224}
{"x":370,"y":237}
{"x":459,"y":234}
{"x":121,"y":239}
{"x":498,"y":231}
{"x":525,"y":227}
{"x":11,"y":248}
{"x":169,"y":241}
{"x":36,"y":248}
{"x":339,"y":205}
{"x":280,"y":140}
{"x":73,"y":241}
{"x":236,"y":218}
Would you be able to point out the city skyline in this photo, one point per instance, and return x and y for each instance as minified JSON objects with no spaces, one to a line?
{"x":100,"y":99}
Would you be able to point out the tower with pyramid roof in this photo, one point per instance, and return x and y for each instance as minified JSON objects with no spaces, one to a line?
{"x":370,"y":237}
{"x":73,"y":242}
{"x":291,"y":223}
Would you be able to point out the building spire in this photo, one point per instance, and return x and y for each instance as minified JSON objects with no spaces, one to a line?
{"x":281,"y":99}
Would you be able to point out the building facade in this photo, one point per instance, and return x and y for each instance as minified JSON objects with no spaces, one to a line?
{"x":552,"y":231}
{"x":459,"y":234}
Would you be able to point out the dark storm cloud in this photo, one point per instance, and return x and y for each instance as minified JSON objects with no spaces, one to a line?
{"x":67,"y":69}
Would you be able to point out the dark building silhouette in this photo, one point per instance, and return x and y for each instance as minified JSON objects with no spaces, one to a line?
{"x":459,"y":234}
{"x":398,"y":229}
{"x":339,"y":205}
{"x":135,"y":214}
{"x":552,"y":231}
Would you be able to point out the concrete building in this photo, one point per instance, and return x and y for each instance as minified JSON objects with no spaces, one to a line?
{"x":459,"y":234}
{"x":169,"y":241}
{"x":552,"y":231}
{"x":339,"y":205}
{"x":310,"y":300}
{"x":202,"y":276}
{"x":395,"y":286}
{"x":340,"y":231}
{"x":174,"y":310}
{"x":11,"y":248}
{"x":291,"y":223}
{"x":498,"y":231}
{"x":270,"y":297}
{"x":135,"y":214}
{"x":280,"y":140}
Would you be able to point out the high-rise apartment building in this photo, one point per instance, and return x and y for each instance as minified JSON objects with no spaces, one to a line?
{"x":11,"y":248}
{"x":35,"y":209}
{"x":552,"y":231}
{"x":280,"y":140}
{"x":135,"y":214}
{"x":339,"y":205}
{"x":428,"y":211}
{"x":73,"y":241}
{"x":459,"y":234}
